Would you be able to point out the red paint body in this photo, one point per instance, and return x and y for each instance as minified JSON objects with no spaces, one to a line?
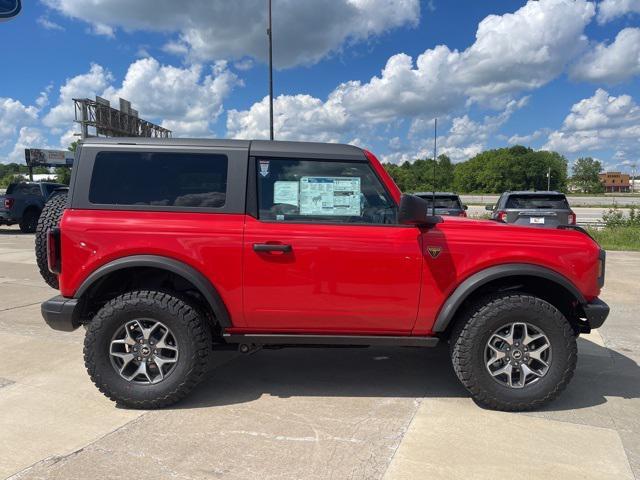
{"x":339,"y":278}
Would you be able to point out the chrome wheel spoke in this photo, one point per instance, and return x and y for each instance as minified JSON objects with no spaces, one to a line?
{"x":517,"y":355}
{"x":143,"y":351}
{"x":162,"y":344}
{"x":506,"y":370}
{"x":497,"y":355}
{"x":141,"y":370}
{"x":508,"y":338}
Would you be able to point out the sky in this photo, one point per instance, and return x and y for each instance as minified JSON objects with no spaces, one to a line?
{"x":560,"y":75}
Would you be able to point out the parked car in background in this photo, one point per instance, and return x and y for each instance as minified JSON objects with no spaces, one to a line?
{"x":447,"y":203}
{"x":536,"y":209}
{"x":23,"y":203}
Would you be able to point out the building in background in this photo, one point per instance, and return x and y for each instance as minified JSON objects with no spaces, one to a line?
{"x":615,"y":181}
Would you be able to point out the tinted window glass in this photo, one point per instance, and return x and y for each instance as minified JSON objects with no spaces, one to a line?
{"x":322,"y":191}
{"x":25,"y":189}
{"x":552,"y":202}
{"x":449,"y":203}
{"x":159,"y":179}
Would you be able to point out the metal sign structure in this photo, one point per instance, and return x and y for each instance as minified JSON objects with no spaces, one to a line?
{"x":40,"y":157}
{"x":99,"y":116}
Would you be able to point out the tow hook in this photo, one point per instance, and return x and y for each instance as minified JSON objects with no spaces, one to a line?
{"x":249,"y":348}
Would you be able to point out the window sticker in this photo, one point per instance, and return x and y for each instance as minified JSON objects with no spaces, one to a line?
{"x":285,"y":192}
{"x":330,"y":196}
{"x":264,"y":167}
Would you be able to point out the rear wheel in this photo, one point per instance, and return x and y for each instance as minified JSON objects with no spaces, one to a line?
{"x":514,"y":352}
{"x":49,"y":218}
{"x":147,"y":349}
{"x":29,"y":220}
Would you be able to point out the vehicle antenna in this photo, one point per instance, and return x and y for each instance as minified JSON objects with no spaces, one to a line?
{"x":435,"y":160}
{"x":270,"y":34}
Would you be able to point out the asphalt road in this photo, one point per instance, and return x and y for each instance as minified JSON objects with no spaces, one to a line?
{"x":362,"y":413}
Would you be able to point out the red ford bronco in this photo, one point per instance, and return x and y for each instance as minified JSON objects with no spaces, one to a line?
{"x":166,"y":250}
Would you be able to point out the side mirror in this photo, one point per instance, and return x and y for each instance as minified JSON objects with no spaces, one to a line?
{"x":489,"y":208}
{"x":414,"y":211}
{"x":9,"y":9}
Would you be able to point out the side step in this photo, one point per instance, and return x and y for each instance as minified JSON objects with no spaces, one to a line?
{"x":377,"y":340}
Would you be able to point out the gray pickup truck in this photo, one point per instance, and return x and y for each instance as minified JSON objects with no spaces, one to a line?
{"x":23,"y":203}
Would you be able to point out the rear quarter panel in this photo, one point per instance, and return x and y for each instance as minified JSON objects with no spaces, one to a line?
{"x":469,"y":246}
{"x":210,"y":243}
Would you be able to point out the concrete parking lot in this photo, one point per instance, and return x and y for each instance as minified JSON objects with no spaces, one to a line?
{"x":363,"y":413}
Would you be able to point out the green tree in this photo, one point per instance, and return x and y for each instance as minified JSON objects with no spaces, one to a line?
{"x":514,"y":168}
{"x":585,"y":175}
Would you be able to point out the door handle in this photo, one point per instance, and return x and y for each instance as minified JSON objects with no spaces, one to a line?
{"x":271,"y":247}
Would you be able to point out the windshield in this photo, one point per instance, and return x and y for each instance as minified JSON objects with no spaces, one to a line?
{"x":552,"y":202}
{"x":451,"y":202}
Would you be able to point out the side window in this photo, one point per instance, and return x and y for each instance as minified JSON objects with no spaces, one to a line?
{"x":159,"y":179}
{"x":322,"y":191}
{"x":24,"y":189}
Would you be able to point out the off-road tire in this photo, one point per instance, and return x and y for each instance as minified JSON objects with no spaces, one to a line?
{"x":477,"y":324}
{"x":49,"y":218}
{"x":29,"y":221}
{"x":189,"y":327}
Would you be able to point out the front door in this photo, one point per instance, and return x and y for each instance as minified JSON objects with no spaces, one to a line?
{"x":325,"y":253}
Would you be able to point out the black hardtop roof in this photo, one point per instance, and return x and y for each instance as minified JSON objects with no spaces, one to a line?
{"x":265,"y":148}
{"x":441,"y":194}
{"x":33,"y":182}
{"x":532,"y":192}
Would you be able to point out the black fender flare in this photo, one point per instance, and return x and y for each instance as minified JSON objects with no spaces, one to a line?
{"x":472,"y":283}
{"x":204,"y":286}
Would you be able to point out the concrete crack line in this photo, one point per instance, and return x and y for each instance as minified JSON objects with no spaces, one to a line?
{"x":19,"y":306}
{"x":59,"y":458}
{"x":402,"y":434}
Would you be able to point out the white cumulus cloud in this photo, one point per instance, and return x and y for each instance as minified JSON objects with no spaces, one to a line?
{"x":600,"y":122}
{"x":305,"y":31}
{"x":613,"y":63}
{"x":185,"y":100}
{"x":86,"y":85}
{"x":512,"y":53}
{"x":14,"y":114}
{"x":611,"y":9}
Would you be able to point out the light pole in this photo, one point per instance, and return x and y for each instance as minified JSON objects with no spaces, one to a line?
{"x":549,"y":180}
{"x":270,"y":34}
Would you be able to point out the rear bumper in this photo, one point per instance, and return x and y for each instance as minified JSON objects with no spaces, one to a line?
{"x":5,"y":218}
{"x":61,"y":313}
{"x":596,"y":312}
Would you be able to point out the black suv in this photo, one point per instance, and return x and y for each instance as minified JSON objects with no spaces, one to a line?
{"x":535,"y":209}
{"x":447,"y":203}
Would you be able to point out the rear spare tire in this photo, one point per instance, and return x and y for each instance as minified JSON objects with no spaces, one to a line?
{"x":49,"y":218}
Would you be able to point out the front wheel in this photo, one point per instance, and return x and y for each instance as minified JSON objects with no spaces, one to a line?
{"x":514,"y":352}
{"x":147,"y":349}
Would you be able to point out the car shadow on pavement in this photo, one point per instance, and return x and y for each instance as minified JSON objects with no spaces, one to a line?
{"x":391,"y":372}
{"x":601,"y":372}
{"x":329,"y":372}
